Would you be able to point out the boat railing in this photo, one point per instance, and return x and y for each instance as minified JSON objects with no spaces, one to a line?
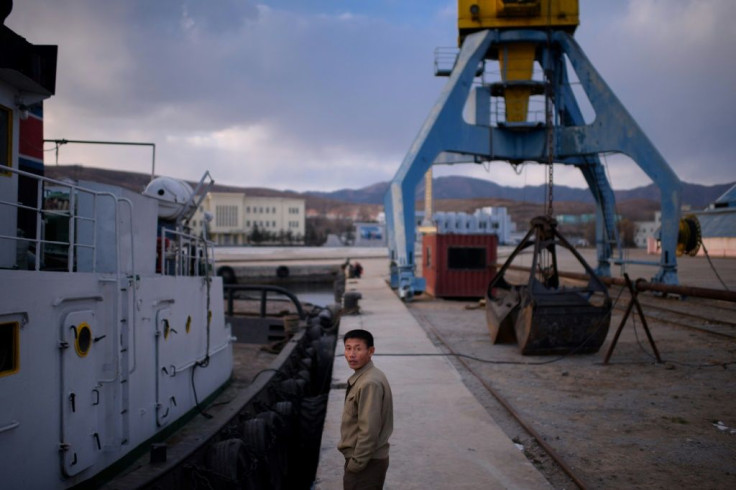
{"x":183,"y":253}
{"x":57,"y":227}
{"x":232,"y":289}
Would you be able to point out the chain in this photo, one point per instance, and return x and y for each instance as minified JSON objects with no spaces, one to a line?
{"x":548,"y":108}
{"x":550,"y":147}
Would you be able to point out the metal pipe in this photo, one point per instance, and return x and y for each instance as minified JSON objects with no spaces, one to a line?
{"x":643,"y":285}
{"x":60,"y":142}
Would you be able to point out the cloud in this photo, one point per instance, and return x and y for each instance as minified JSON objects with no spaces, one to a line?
{"x":181,"y":74}
{"x":667,"y":62}
{"x":326,"y":95}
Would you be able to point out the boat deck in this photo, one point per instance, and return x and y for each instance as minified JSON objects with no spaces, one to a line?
{"x":441,"y":432}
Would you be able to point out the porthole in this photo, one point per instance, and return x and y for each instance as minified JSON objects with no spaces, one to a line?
{"x":189,"y":323}
{"x":83,"y":339}
{"x":167,"y":328}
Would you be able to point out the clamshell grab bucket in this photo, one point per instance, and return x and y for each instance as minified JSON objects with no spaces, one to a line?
{"x":543,"y":316}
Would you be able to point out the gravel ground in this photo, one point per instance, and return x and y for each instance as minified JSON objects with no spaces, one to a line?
{"x":633,"y":423}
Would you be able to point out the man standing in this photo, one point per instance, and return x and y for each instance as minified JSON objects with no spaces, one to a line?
{"x":367,"y":418}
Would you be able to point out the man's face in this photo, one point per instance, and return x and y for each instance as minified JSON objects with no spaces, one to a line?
{"x":357,"y":353}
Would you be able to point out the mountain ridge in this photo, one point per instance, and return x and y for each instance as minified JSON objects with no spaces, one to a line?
{"x":696,"y":196}
{"x":447,"y":188}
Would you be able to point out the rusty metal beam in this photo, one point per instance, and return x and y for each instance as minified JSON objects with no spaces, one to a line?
{"x":643,"y":285}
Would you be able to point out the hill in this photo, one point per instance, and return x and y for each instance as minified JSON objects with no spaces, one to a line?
{"x":451,"y":193}
{"x":455,"y":187}
{"x":135,"y":181}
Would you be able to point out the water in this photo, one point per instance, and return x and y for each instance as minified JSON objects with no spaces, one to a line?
{"x":339,"y":254}
{"x":318,"y":294}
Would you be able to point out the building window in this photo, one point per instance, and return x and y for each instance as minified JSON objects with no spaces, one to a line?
{"x":226,"y":216}
{"x":273,"y":224}
{"x":247,"y":209}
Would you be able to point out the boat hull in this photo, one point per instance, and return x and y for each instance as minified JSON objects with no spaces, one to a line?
{"x":104,"y":364}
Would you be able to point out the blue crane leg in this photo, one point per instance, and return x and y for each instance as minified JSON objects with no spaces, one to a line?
{"x":594,"y":174}
{"x":443,"y":130}
{"x":615,"y":130}
{"x":606,"y":234}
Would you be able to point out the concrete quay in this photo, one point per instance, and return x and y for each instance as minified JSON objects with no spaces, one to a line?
{"x":443,"y":437}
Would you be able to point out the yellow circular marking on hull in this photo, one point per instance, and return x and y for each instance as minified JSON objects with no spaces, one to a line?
{"x":83,"y":339}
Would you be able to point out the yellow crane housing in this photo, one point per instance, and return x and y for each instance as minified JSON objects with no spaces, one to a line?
{"x":477,"y":15}
{"x":516,"y":60}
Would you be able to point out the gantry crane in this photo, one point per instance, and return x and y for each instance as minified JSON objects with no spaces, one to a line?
{"x":462,"y":126}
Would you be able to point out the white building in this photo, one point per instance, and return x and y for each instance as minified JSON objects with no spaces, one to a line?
{"x":646,"y":231}
{"x":488,"y":220}
{"x":718,"y":226}
{"x":236,"y":216}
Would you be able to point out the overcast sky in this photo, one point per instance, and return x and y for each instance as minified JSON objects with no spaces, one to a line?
{"x":329,"y":94}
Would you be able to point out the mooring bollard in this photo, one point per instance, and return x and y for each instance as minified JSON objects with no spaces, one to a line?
{"x":350,"y":302}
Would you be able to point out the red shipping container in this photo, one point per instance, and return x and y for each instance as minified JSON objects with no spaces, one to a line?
{"x":458,"y":266}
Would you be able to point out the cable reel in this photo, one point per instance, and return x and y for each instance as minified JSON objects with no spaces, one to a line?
{"x":689,"y":236}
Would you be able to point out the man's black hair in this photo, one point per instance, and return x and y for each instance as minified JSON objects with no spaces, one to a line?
{"x":360,"y":334}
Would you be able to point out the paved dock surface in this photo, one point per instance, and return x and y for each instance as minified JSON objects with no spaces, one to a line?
{"x":443,"y":437}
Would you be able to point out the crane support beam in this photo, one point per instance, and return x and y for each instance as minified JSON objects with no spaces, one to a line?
{"x":614,"y":129}
{"x":444,"y":130}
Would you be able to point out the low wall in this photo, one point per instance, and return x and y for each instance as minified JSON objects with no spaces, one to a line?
{"x":281,"y":274}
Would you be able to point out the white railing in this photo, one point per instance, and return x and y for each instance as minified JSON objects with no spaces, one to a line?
{"x":183,"y":254}
{"x":63,"y":218}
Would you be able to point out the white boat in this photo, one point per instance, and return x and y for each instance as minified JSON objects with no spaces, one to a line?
{"x":112,"y":327}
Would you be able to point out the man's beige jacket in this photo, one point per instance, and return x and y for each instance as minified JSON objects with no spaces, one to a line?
{"x":367,"y":418}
